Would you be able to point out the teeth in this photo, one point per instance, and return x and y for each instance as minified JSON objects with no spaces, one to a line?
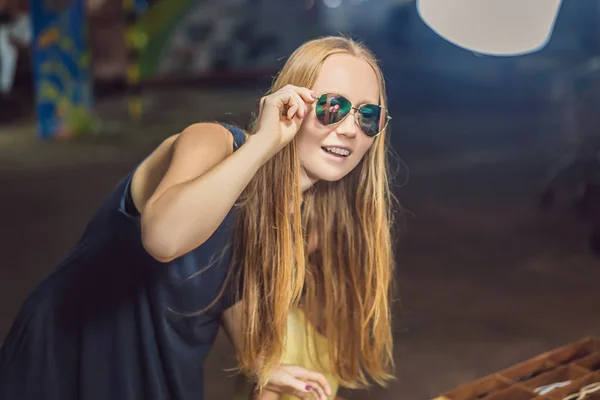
{"x":337,"y":150}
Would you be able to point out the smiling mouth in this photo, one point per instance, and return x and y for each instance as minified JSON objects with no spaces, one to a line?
{"x":336,"y":151}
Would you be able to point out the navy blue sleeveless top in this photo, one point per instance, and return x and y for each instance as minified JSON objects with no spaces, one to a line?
{"x":108,"y":323}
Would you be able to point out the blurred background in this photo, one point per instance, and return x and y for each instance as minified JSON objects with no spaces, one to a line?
{"x":499,"y":258}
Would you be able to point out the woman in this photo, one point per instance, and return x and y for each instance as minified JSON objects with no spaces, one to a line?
{"x":112,"y":320}
{"x":346,"y":221}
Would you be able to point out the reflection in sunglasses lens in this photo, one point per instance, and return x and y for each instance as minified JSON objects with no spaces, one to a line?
{"x":332,"y":108}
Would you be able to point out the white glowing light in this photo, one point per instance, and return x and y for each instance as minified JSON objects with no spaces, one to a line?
{"x":492,"y":27}
{"x":332,"y":3}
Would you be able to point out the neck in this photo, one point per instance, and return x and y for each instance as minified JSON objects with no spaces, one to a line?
{"x":306,"y":181}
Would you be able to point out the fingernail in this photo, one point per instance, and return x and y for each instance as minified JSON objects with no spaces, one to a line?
{"x":308,"y":388}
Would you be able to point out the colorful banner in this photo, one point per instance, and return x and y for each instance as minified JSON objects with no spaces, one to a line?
{"x":61,"y":68}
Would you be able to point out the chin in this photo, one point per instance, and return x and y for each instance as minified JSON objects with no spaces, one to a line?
{"x":327,"y":171}
{"x":331,"y":176}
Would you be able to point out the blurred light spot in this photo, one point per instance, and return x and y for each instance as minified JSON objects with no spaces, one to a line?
{"x":332,"y":3}
{"x":310,"y":4}
{"x":492,"y":27}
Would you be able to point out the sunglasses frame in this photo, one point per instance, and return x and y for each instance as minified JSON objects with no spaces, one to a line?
{"x":356,"y":111}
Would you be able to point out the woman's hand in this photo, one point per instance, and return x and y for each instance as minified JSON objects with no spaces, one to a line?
{"x":282,"y":113}
{"x":297,"y":381}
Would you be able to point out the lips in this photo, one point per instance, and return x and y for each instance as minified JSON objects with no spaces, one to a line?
{"x":337,"y":151}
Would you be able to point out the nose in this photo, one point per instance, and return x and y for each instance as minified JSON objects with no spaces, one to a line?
{"x":349,"y":126}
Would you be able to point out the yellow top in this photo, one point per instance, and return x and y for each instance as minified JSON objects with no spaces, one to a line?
{"x":296,"y":352}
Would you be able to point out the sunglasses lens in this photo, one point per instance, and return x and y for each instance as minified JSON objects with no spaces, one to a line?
{"x":372,"y":119}
{"x":332,"y":108}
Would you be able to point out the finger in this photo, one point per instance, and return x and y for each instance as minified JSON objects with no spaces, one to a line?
{"x":285,"y":102}
{"x":275,"y":106}
{"x":292,"y":103}
{"x":285,"y":99}
{"x":297,"y":107}
{"x":317,"y":390}
{"x":306,"y":94}
{"x":297,"y":385}
{"x":291,"y":112}
{"x":301,"y":111}
{"x":307,"y":375}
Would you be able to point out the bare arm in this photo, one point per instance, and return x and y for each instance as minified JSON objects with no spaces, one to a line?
{"x":288,"y":379}
{"x":204,"y":179}
{"x":199,"y":188}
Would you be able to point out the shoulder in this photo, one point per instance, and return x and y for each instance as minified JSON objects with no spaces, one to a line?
{"x":206,"y":134}
{"x":180,"y":158}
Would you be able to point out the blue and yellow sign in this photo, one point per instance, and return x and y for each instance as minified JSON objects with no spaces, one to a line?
{"x":62,"y":75}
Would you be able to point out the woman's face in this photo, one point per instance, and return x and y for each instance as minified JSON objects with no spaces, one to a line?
{"x":354,"y":79}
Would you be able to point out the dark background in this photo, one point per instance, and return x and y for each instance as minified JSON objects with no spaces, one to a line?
{"x":491,"y":272}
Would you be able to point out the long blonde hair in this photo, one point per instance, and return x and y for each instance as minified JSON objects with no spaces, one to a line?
{"x":346,"y":285}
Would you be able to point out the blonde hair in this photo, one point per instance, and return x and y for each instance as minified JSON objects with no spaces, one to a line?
{"x":345,"y":288}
